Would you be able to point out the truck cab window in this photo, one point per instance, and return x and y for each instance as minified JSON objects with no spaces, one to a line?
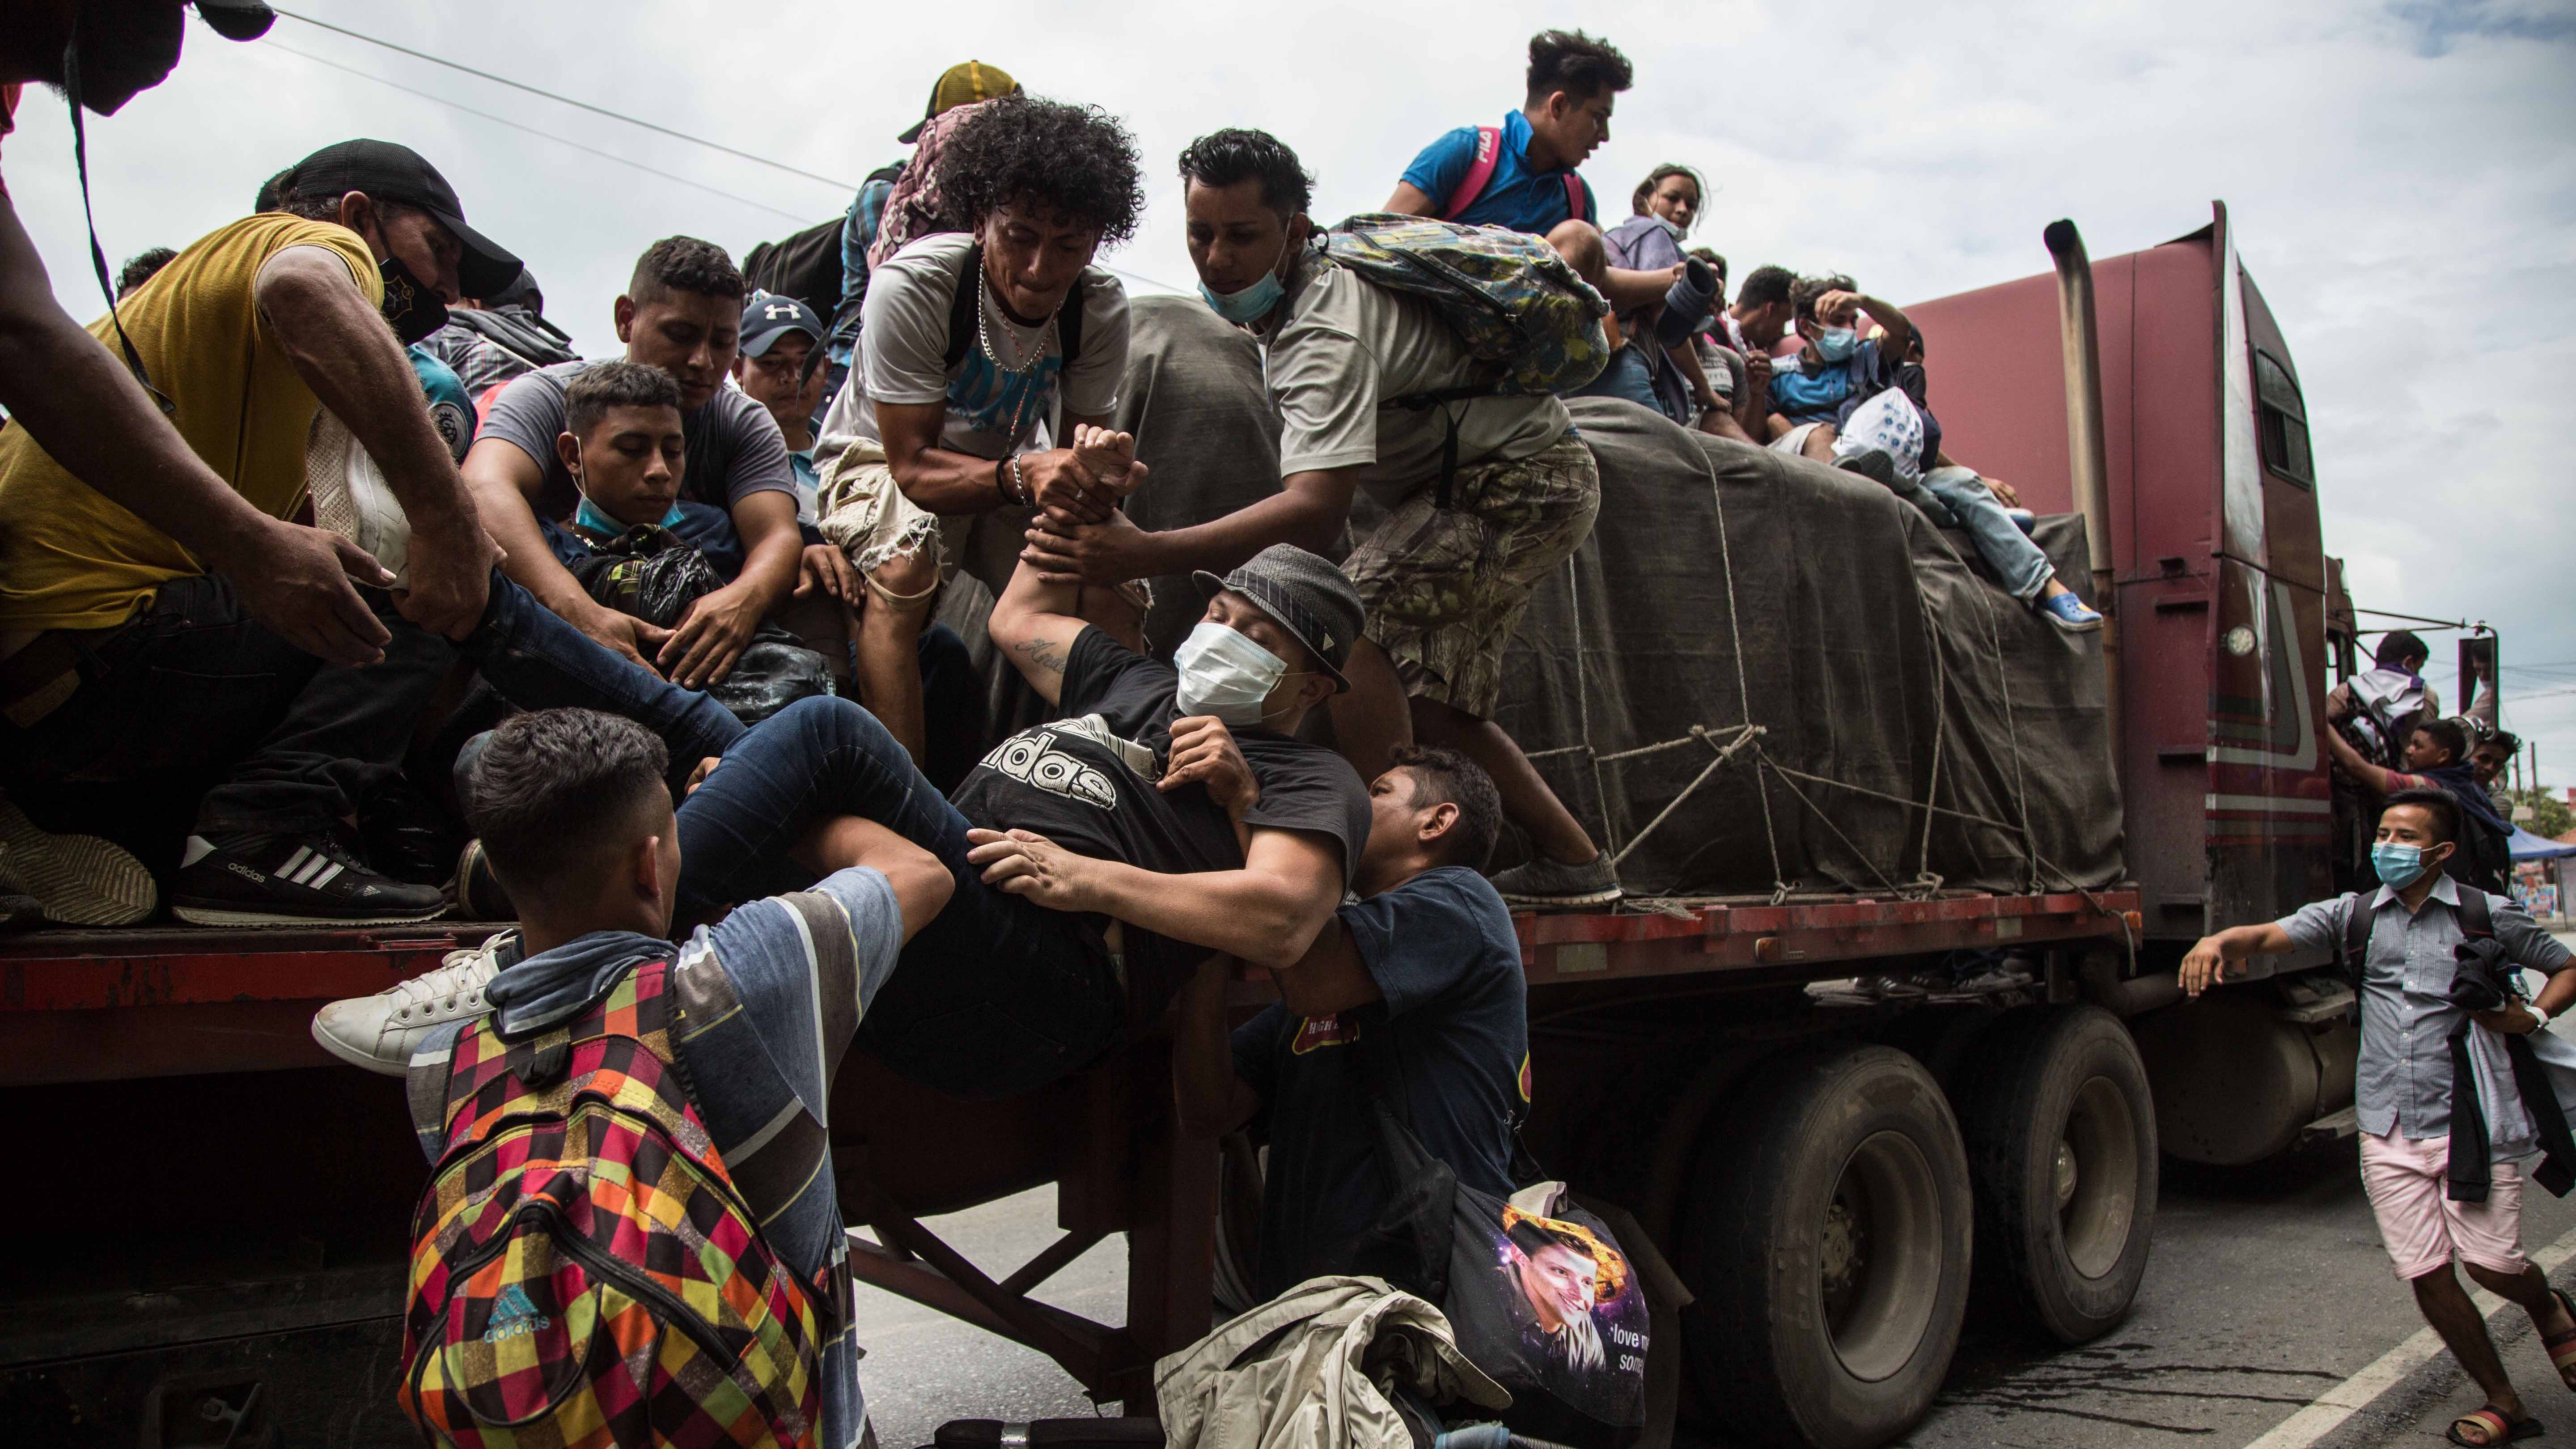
{"x":2283,"y":421}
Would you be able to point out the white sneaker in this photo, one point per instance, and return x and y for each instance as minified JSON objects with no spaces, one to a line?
{"x":380,"y":1032}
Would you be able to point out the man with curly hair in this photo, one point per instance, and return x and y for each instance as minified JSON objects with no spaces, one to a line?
{"x":978,"y":350}
{"x":682,"y":313}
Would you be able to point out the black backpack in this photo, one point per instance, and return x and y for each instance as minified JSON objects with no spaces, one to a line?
{"x":807,"y":265}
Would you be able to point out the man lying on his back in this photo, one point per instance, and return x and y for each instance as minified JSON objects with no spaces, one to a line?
{"x":1175,"y":801}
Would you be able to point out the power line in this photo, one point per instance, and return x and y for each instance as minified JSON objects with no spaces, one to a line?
{"x":533,"y":131}
{"x":845,"y":186}
{"x":566,"y":100}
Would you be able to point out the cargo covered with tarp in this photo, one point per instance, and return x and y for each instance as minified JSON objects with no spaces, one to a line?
{"x":1723,"y":586}
{"x":1880,"y":667}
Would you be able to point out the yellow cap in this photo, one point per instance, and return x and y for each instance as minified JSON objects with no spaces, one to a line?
{"x":963,"y":84}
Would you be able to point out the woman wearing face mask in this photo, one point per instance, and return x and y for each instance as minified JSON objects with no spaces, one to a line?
{"x":1835,"y":369}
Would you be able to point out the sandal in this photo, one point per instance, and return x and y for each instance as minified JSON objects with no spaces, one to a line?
{"x":2562,"y":1346}
{"x":2498,"y":1429}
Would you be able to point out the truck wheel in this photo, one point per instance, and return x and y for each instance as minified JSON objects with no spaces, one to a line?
{"x":1827,"y":1244}
{"x":2061,"y":1134}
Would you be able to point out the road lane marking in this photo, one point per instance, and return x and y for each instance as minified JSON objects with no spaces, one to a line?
{"x":2354,"y":1394}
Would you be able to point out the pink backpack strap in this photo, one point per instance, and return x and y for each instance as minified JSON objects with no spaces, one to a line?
{"x":1489,"y":152}
{"x":1575,"y":196}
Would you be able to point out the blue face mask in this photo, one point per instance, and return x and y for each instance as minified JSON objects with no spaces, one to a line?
{"x":588,"y":517}
{"x":1252,"y":303}
{"x":1837,"y":344}
{"x":2398,"y":865}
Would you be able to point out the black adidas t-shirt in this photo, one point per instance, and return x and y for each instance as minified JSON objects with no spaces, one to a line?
{"x":1454,"y":1030}
{"x":1086,"y":782}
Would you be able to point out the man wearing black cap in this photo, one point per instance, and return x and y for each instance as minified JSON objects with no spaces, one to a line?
{"x":127,"y":658}
{"x":77,"y":397}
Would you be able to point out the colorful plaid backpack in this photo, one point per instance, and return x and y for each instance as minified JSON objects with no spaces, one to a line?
{"x":1520,"y":308}
{"x":583,"y":1272}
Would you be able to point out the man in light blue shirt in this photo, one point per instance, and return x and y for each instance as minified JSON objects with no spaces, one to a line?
{"x":2404,"y":1082}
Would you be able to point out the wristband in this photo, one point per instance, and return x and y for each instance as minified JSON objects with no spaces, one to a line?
{"x":1000,"y":487}
{"x":2537,"y":1014}
{"x":1025,"y":498}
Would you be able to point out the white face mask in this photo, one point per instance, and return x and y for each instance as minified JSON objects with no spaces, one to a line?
{"x":1225,"y":674}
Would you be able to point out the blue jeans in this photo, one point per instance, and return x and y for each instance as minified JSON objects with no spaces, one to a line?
{"x":193,"y":685}
{"x":2017,"y":561}
{"x":1627,"y":376}
{"x":995,"y":996}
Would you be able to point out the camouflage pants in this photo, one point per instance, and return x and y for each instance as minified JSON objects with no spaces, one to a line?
{"x":1445,"y":588}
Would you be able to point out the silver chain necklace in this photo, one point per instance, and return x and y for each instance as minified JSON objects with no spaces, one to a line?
{"x":1024,"y":372}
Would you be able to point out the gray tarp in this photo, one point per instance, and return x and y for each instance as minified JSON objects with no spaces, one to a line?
{"x":1872,"y":645}
{"x":1726,"y":584}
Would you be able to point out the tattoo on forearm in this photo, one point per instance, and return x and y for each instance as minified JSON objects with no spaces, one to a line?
{"x":1043,"y":653}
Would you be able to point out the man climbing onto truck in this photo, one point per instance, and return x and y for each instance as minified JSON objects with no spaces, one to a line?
{"x":1487,"y":494}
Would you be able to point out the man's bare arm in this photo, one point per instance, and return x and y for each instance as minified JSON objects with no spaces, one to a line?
{"x":78,"y":402}
{"x":1034,"y":625}
{"x":1267,"y":913}
{"x":1409,"y":201}
{"x":2205,"y":965}
{"x":1308,"y":510}
{"x":1331,"y":977}
{"x":340,"y":346}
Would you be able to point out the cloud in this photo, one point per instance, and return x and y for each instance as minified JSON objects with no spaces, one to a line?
{"x":2398,"y":176}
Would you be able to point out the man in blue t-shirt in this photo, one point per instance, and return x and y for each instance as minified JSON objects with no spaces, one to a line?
{"x":1521,"y":175}
{"x":1415,"y":991}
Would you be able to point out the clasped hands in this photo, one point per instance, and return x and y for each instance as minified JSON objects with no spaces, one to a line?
{"x":1079,"y":535}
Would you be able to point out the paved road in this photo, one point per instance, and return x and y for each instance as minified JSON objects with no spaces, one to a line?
{"x":2267,"y":1288}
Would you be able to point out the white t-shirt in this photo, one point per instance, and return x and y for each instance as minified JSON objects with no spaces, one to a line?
{"x":1349,"y":344}
{"x":904,"y":350}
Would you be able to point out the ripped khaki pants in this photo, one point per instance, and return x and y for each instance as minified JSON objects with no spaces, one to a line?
{"x":865,"y":514}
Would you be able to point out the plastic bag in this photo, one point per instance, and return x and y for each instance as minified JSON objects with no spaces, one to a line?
{"x":1890,"y":423}
{"x":652,"y":574}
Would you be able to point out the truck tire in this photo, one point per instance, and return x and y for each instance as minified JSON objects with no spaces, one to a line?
{"x":1827,"y":1242}
{"x":2061,"y":1133}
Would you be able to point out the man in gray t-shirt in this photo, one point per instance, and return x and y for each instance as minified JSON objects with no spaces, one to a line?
{"x":981,"y":350}
{"x":682,"y":313}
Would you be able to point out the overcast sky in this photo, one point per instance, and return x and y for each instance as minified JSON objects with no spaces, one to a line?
{"x":2401,"y":177}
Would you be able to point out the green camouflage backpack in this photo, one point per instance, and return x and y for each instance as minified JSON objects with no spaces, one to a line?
{"x":1524,"y":314}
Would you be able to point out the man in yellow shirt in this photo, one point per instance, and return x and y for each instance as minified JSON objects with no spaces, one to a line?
{"x":121,"y":654}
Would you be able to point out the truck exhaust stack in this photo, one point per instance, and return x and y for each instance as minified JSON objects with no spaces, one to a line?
{"x":2089,"y":457}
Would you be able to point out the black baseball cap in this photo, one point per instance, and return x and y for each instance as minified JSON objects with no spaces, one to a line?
{"x":390,"y":172}
{"x":1307,"y":595}
{"x":769,"y":316}
{"x":236,"y":19}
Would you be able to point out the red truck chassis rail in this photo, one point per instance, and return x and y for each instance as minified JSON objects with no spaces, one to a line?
{"x":102,"y":1005}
